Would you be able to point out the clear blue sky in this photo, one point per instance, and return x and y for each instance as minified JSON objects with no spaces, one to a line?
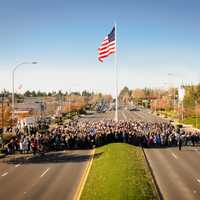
{"x":155,"y":37}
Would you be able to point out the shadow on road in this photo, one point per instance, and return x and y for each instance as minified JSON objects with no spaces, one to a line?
{"x":191,"y":150}
{"x":54,"y":157}
{"x":184,"y":148}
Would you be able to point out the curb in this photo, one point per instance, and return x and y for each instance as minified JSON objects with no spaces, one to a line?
{"x":83,"y":180}
{"x":2,"y":156}
{"x":159,"y":193}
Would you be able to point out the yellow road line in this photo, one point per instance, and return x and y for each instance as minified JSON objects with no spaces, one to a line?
{"x":83,"y":180}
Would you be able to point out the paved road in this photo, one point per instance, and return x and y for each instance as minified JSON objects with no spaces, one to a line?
{"x":54,"y":177}
{"x":177,"y":172}
{"x":57,"y":177}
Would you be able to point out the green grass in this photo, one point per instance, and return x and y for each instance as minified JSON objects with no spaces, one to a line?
{"x":119,"y":172}
{"x":192,"y":121}
{"x":170,"y":114}
{"x":2,"y":155}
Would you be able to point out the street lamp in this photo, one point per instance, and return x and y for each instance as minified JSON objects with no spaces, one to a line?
{"x":13,"y":86}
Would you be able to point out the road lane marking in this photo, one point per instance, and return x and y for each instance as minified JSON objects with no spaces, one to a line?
{"x":198,"y":180}
{"x":4,"y":174}
{"x":17,"y":165}
{"x":125,"y":117}
{"x":44,"y":172}
{"x":83,"y":179}
{"x":174,"y":155}
{"x":27,"y":158}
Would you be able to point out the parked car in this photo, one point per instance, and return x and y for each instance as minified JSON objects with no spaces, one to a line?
{"x":135,"y":109}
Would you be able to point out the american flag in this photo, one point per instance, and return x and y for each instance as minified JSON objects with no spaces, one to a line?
{"x":108,"y":46}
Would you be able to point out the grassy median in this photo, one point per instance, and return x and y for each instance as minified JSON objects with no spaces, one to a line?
{"x":119,"y":172}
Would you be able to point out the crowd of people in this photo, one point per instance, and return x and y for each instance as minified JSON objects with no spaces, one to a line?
{"x":87,"y":134}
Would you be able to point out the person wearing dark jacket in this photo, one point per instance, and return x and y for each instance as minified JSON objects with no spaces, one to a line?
{"x":180,"y":142}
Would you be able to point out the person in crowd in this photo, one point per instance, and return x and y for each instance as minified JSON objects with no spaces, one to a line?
{"x":89,"y":134}
{"x":180,"y":142}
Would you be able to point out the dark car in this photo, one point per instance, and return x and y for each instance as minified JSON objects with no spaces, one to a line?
{"x":134,"y":109}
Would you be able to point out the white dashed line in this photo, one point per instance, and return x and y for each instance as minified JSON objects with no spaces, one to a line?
{"x":198,"y":180}
{"x":174,"y":155}
{"x":17,"y":165}
{"x":125,"y":117}
{"x":4,"y":174}
{"x":44,"y":172}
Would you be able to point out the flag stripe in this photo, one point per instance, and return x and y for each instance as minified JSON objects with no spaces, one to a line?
{"x":104,"y":52}
{"x":105,"y":47}
{"x":113,"y":49}
{"x":107,"y":54}
{"x":108,"y":46}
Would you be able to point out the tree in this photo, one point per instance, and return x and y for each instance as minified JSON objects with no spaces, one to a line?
{"x":49,"y":94}
{"x":75,"y":93}
{"x":7,"y":116}
{"x":41,"y":94}
{"x":27,"y":93}
{"x":60,"y":93}
{"x":138,"y":95}
{"x":124,"y":95}
{"x":189,"y":100}
{"x":33,"y":94}
{"x":85,"y":93}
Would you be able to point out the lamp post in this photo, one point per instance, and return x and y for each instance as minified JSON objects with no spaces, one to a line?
{"x":13,"y":87}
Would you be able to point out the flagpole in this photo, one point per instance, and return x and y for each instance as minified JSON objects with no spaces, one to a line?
{"x":116,"y":77}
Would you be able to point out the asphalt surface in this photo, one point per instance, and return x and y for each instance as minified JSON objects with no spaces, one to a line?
{"x":176,"y":172}
{"x":55,"y":176}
